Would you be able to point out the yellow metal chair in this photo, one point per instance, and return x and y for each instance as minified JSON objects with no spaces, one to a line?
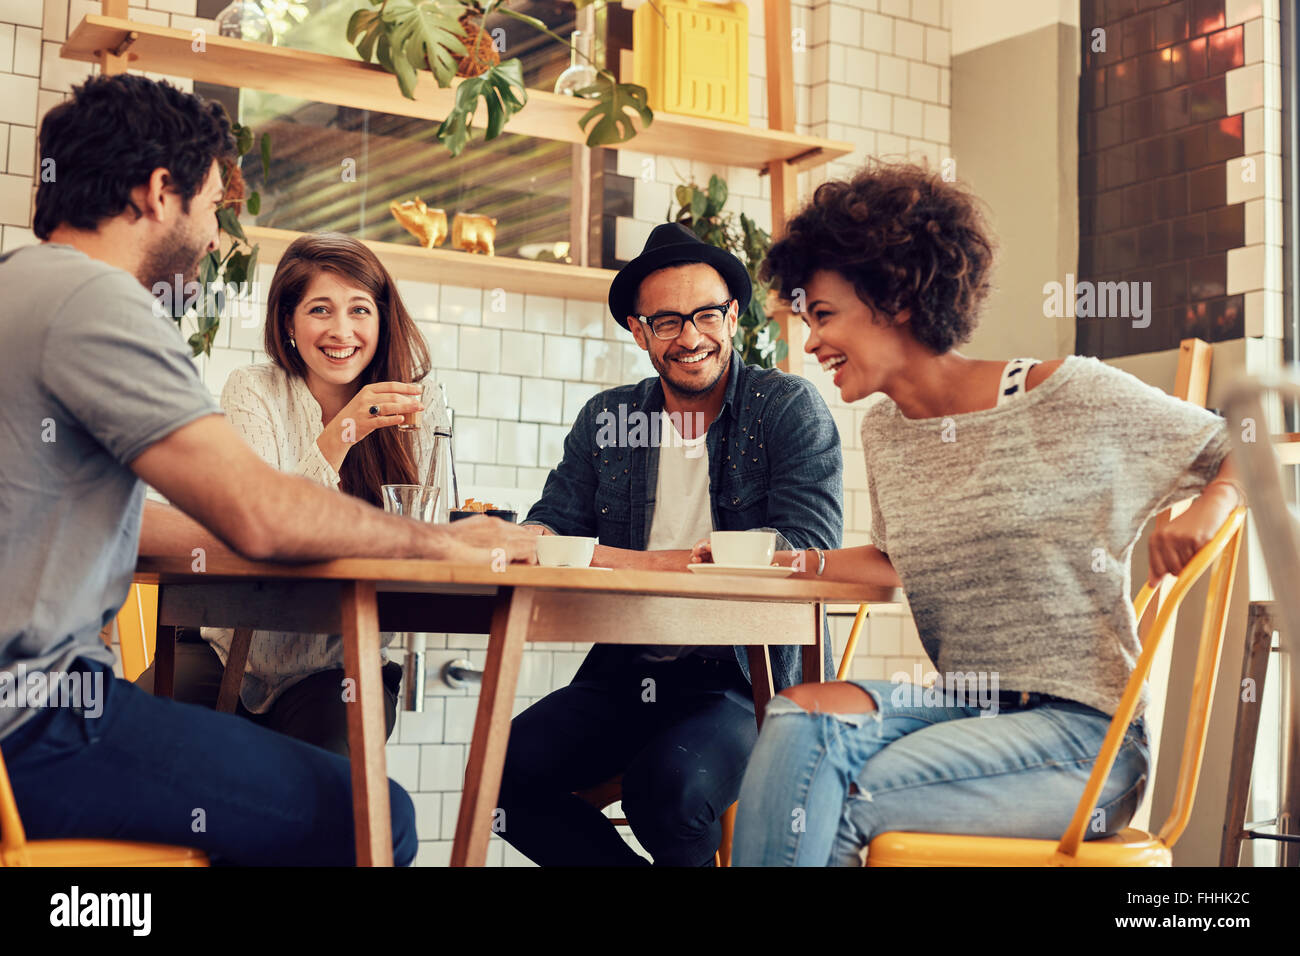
{"x":1131,"y":847}
{"x":17,"y":850}
{"x":611,"y":791}
{"x":137,"y":628}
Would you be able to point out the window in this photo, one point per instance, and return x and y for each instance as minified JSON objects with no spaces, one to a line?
{"x":338,"y":168}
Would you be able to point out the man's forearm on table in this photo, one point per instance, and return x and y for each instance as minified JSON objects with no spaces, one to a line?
{"x":307,"y":522}
{"x":607,"y":557}
{"x":166,"y":531}
{"x":289,"y":518}
{"x":299,"y":530}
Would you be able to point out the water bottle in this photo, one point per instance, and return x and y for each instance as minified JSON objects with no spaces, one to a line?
{"x":442,"y":474}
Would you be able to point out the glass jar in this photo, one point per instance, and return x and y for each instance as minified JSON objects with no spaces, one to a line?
{"x":245,"y":20}
{"x":580,"y":73}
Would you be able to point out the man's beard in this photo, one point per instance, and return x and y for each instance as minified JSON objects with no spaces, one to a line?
{"x":176,"y":254}
{"x":665,"y":367}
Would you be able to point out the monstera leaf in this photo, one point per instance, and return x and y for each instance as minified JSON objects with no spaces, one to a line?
{"x":496,"y":86}
{"x":366,"y":25}
{"x":613,"y":124}
{"x":406,"y":36}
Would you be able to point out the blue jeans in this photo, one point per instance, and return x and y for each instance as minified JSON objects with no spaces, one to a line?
{"x":819,"y":787}
{"x":153,"y":770}
{"x":682,"y":755}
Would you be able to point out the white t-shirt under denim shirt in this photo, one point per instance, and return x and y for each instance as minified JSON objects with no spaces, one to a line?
{"x":91,"y":377}
{"x":278,"y":416}
{"x":998,"y":520}
{"x":683,"y":512}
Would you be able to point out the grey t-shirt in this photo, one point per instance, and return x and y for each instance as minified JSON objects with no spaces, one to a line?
{"x":92,"y":376}
{"x":1012,"y":527}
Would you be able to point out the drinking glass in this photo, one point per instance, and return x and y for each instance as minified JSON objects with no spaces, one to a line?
{"x":411,"y":501}
{"x":411,"y":422}
{"x":421,"y":503}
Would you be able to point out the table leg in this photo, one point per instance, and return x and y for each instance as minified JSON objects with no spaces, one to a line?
{"x":487,"y":751}
{"x":814,"y":655}
{"x":164,"y":659}
{"x":760,"y":677}
{"x":365,"y":693}
{"x":233,"y":676}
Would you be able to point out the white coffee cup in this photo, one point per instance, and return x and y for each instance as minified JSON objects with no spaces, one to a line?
{"x":743,"y":547}
{"x":565,"y":551}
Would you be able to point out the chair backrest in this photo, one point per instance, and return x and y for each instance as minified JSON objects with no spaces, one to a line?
{"x":846,"y":659}
{"x":1220,"y":555}
{"x":13,"y":840}
{"x":137,"y":628}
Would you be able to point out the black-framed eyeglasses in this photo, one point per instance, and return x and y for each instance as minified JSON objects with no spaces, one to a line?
{"x":669,"y":325}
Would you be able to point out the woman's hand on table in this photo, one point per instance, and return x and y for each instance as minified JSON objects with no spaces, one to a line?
{"x":482,"y":539}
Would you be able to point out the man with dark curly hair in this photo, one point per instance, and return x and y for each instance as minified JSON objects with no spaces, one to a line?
{"x":1007,"y":497}
{"x":101,"y":397}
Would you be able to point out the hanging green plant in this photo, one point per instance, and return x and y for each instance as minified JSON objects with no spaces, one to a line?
{"x":234,"y":268}
{"x":494,"y":86}
{"x":406,"y":36}
{"x":758,"y":336}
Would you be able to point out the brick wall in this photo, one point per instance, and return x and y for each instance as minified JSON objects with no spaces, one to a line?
{"x":1179,"y":171}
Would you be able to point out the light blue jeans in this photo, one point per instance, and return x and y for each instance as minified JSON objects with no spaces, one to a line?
{"x":820,"y":786}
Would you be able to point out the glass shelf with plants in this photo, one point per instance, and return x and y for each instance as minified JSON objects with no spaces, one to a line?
{"x":340,"y":78}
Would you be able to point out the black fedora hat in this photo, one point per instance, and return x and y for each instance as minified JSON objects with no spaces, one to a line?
{"x":671,"y":243}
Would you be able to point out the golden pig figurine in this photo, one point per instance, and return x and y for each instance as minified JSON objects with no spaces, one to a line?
{"x":473,"y":232}
{"x":427,"y":225}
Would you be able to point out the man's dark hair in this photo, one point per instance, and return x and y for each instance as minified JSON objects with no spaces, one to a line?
{"x":111,"y":135}
{"x":905,"y":238}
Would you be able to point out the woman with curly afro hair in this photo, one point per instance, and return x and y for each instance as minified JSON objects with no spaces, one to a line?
{"x":1006,"y":497}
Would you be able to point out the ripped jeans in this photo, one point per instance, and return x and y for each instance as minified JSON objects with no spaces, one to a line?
{"x":819,"y":787}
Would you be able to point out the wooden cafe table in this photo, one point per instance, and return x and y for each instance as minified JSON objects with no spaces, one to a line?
{"x":360,"y":597}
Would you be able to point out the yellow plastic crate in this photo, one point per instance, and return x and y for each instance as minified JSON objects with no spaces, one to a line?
{"x":697,"y":62}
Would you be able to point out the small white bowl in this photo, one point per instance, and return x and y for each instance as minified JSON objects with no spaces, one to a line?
{"x":748,"y":548}
{"x":565,"y":551}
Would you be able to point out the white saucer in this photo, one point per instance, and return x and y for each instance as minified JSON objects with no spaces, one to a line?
{"x":745,"y":570}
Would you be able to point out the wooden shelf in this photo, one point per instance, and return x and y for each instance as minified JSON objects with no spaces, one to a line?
{"x":453,"y":267}
{"x":1287,"y":446}
{"x":330,"y":79}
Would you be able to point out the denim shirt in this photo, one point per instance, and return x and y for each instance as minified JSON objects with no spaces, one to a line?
{"x":774,"y":464}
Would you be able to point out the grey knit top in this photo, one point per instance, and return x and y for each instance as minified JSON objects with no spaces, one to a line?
{"x":1011,"y":528}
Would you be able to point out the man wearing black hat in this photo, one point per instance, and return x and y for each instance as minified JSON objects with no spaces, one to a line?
{"x":650,"y":469}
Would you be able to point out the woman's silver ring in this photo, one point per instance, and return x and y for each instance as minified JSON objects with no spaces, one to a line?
{"x":374,"y":409}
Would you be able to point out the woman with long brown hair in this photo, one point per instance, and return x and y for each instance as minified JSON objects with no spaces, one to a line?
{"x":347,"y":365}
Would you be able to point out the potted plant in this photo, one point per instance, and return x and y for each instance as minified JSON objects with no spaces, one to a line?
{"x":758,"y":334}
{"x":233,"y":268}
{"x":446,"y":37}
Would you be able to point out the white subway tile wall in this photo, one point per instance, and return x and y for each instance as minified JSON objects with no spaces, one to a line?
{"x":518,"y":367}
